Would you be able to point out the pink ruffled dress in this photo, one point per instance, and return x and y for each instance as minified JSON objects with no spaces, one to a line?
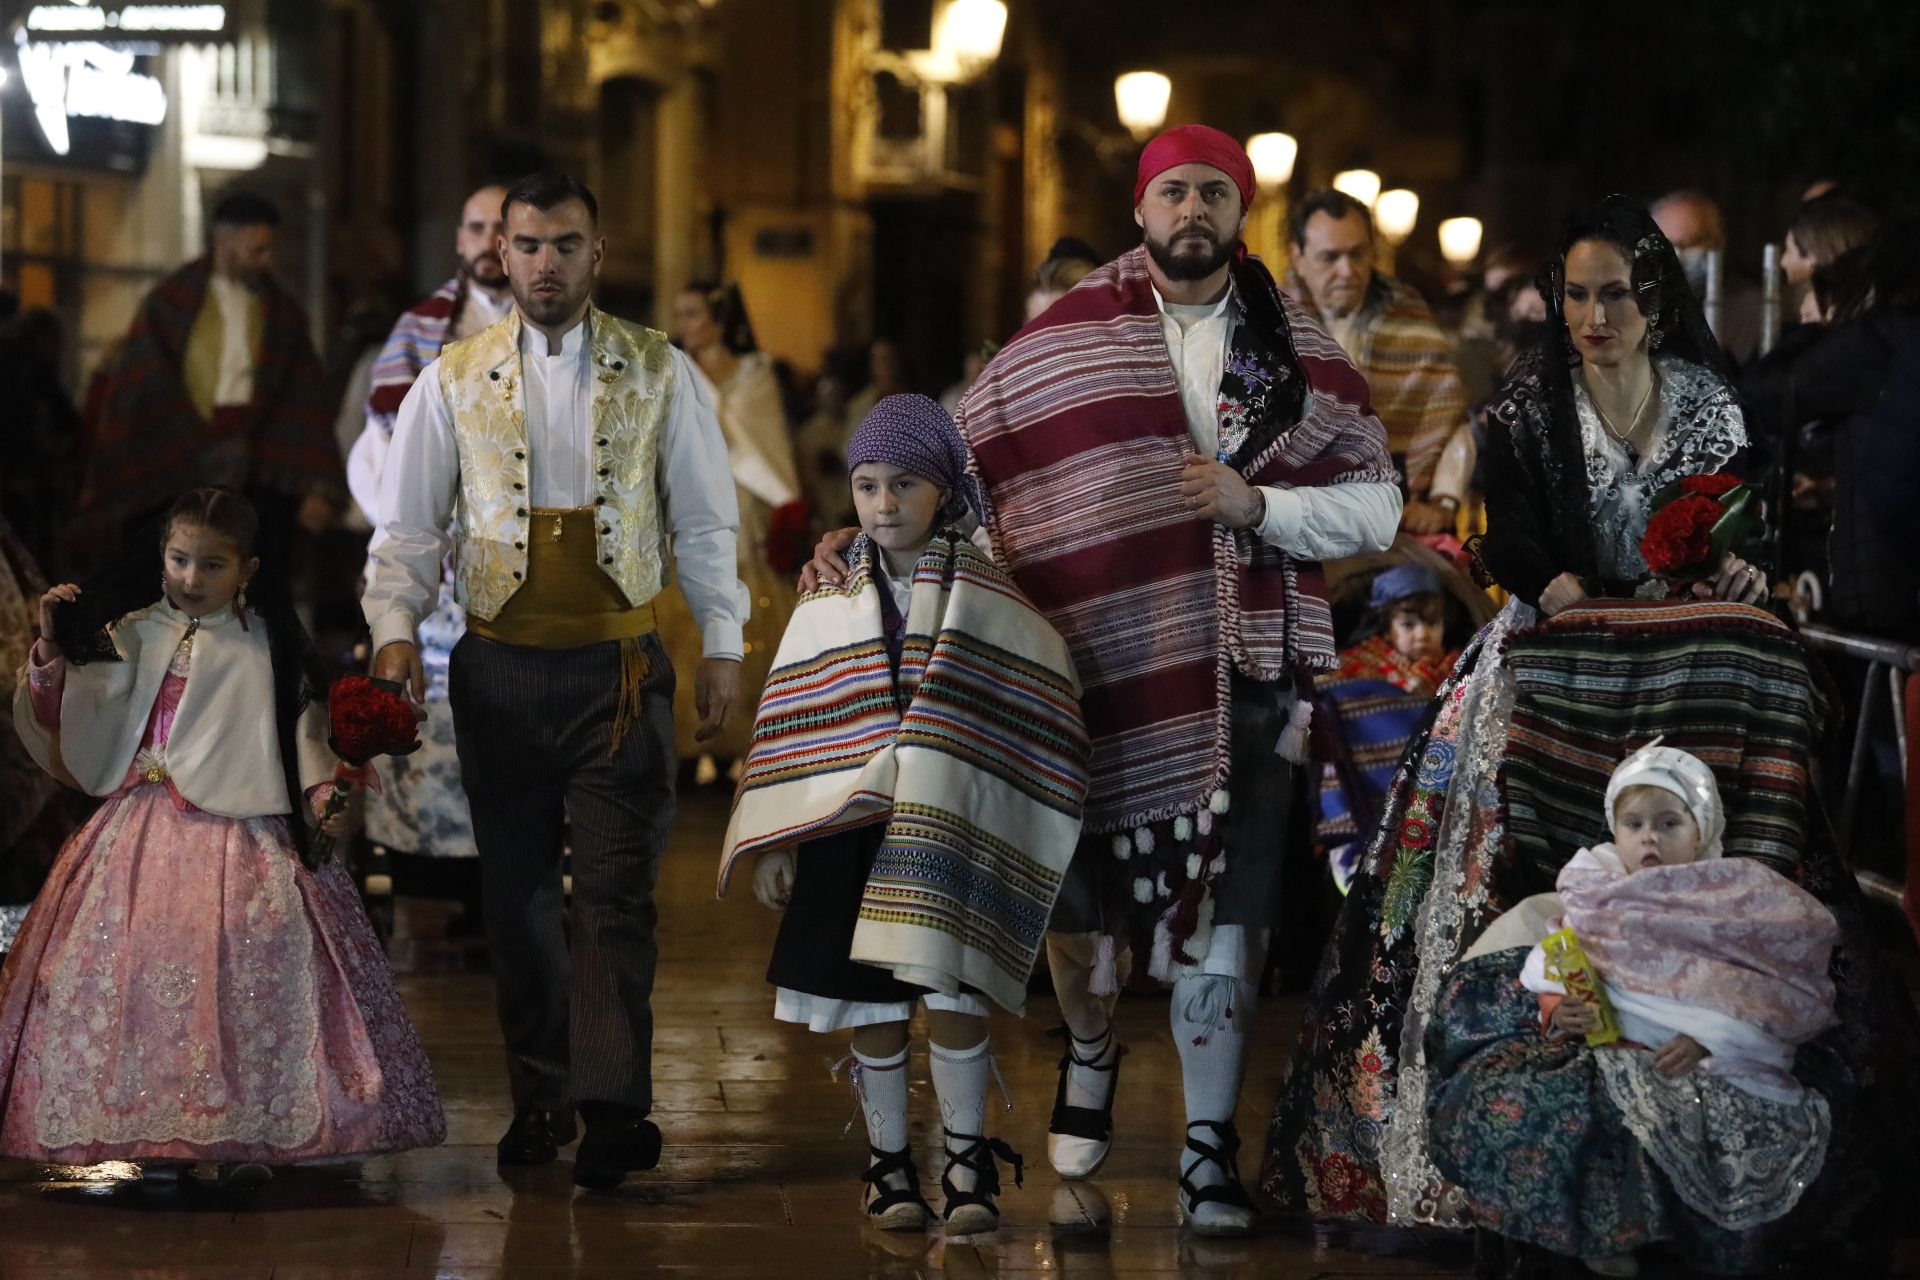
{"x":185,"y":989}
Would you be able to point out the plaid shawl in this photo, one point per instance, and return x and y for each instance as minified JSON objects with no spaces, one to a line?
{"x":1726,"y":682}
{"x":412,"y":346}
{"x":1408,"y":364}
{"x":974,"y":757}
{"x":1079,"y":437}
{"x":148,"y":439}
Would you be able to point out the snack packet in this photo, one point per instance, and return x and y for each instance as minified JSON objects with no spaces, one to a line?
{"x":1568,"y":965}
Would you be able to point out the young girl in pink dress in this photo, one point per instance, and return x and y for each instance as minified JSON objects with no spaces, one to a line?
{"x":185,"y":989}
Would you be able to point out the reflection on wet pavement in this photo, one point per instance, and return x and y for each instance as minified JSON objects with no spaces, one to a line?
{"x":758,"y":1178}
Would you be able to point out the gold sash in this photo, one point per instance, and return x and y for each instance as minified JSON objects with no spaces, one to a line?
{"x":568,"y":601}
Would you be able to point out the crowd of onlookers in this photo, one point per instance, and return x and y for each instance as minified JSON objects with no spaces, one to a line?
{"x":1832,"y":400}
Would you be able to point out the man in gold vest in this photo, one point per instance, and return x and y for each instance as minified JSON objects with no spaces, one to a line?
{"x":569,"y":453}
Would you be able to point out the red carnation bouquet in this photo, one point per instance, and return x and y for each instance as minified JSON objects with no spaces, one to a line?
{"x":368,"y":718}
{"x":1696,"y":521}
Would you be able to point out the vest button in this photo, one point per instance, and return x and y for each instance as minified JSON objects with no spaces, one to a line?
{"x":602,"y":442}
{"x":519,"y":455}
{"x":606,"y":528}
{"x":494,"y":374}
{"x":518,"y":485}
{"x":604,"y":471}
{"x":519,"y":546}
{"x":600,"y":501}
{"x":522,"y":511}
{"x":604,"y":560}
{"x":516,"y":575}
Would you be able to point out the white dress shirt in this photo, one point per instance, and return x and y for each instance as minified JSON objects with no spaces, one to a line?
{"x":234,"y":385}
{"x":1318,"y":522}
{"x":420,"y":482}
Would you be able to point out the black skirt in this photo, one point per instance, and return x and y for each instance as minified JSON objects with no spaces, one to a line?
{"x":810,"y":955}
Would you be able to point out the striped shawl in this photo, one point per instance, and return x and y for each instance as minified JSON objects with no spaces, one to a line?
{"x":1726,"y":682}
{"x":1079,"y":437}
{"x":412,"y":346}
{"x":1408,"y":364}
{"x":974,"y":758}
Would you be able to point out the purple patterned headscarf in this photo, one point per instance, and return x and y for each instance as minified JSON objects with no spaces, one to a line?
{"x":914,"y":433}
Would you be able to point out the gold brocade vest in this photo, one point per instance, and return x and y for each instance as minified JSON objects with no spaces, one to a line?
{"x":481,"y":381}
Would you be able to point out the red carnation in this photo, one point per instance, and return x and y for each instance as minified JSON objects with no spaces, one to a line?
{"x":368,"y":718}
{"x":1679,"y":538}
{"x":1713,"y":486}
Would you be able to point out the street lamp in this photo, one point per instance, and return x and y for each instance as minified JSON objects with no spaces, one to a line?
{"x":1395,"y":212}
{"x":1273,"y":155}
{"x":1362,"y":184}
{"x":970,"y":31}
{"x":1140,"y":98}
{"x":1460,"y":241}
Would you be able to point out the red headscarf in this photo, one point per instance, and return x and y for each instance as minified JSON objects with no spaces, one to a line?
{"x":1196,"y":144}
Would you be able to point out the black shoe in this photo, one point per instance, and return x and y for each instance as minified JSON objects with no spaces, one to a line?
{"x":535,"y":1137}
{"x":974,"y":1212}
{"x":614,"y":1148}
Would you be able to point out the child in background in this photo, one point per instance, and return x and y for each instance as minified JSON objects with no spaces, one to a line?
{"x":913,"y":797}
{"x":1691,"y":1127}
{"x":185,"y":989}
{"x":1377,"y":699}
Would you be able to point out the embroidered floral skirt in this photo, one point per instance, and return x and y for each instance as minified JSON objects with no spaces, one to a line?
{"x":185,"y":990}
{"x":1548,"y":1146}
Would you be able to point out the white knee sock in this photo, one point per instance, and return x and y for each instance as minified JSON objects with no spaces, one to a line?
{"x":882,"y":1087}
{"x":1211,"y":1017}
{"x":960,"y":1078}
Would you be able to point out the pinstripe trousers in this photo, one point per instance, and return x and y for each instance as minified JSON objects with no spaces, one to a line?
{"x":533,"y":728}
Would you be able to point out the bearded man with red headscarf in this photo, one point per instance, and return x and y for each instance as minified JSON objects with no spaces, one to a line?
{"x":1168,"y":452}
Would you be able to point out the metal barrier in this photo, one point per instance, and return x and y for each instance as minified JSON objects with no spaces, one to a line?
{"x":1889,"y":663}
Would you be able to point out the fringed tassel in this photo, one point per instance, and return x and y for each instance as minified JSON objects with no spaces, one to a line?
{"x":1296,"y":740}
{"x":1105,"y":980}
{"x":635,"y":667}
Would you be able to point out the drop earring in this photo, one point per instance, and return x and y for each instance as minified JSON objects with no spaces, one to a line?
{"x":240,"y":607}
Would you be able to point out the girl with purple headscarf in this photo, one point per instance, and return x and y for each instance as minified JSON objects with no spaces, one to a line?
{"x":912,"y":797}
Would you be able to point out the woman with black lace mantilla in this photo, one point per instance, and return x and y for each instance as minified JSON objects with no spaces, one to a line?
{"x":1591,"y":658}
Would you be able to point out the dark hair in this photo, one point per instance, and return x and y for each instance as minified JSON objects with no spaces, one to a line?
{"x":217,"y":511}
{"x":1893,"y":265}
{"x":1842,"y":286}
{"x":549,"y":189}
{"x":729,"y":312}
{"x":1828,"y":226}
{"x":245,"y":209}
{"x":82,"y":629}
{"x":1660,"y":288}
{"x":1337,"y":205}
{"x":1428,"y":605}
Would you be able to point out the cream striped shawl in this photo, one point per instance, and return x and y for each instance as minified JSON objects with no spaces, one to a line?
{"x":975,"y":760}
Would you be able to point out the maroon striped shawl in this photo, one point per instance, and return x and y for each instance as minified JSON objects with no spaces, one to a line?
{"x":413,"y":345}
{"x":1078,"y":436}
{"x":149,"y":440}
